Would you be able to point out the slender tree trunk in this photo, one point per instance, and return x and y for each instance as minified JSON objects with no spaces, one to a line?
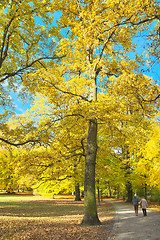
{"x":129,"y":191}
{"x":77,"y":192}
{"x":145,"y":191}
{"x":101,"y":196}
{"x":98,"y":193}
{"x":118,"y":192}
{"x":90,"y":207}
{"x":128,"y":174}
{"x":110,"y":190}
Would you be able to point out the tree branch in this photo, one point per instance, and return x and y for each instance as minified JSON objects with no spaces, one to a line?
{"x":143,"y":21}
{"x":7,"y":75}
{"x":70,"y":93}
{"x":18,"y":144}
{"x":3,"y":52}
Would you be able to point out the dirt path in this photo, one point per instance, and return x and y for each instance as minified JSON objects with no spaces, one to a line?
{"x":128,"y":226}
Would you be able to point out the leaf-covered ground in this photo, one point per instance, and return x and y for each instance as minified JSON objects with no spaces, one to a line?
{"x":31,"y":217}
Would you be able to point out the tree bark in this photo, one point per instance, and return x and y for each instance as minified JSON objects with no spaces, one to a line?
{"x":98,"y":191}
{"x":129,"y":191}
{"x":77,"y":192}
{"x":128,"y":174}
{"x":90,"y":207}
{"x":98,"y":196}
{"x":145,"y":191}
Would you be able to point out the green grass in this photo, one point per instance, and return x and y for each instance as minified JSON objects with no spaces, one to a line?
{"x":37,"y":207}
{"x":36,"y":217}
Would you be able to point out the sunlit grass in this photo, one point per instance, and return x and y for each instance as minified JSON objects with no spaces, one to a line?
{"x":37,"y":217}
{"x":154,"y":206}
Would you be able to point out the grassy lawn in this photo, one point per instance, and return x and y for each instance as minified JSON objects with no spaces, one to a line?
{"x":40,"y":218}
{"x":154,"y":206}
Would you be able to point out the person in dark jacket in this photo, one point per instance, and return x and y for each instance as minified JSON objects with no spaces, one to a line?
{"x":135,"y":202}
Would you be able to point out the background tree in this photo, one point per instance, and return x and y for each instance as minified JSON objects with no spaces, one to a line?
{"x":59,"y":159}
{"x":154,"y":38}
{"x":25,"y":45}
{"x":8,"y":169}
{"x":147,"y":166}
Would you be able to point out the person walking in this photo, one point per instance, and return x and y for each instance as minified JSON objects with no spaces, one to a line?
{"x":135,"y":202}
{"x":143,"y":204}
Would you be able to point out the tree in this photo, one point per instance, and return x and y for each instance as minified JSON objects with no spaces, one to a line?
{"x":98,"y":38}
{"x":147,"y":166}
{"x":8,"y":168}
{"x":57,"y":163}
{"x":25,"y":45}
{"x":154,"y":38}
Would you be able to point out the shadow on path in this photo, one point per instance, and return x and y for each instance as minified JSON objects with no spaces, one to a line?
{"x":128,"y":226}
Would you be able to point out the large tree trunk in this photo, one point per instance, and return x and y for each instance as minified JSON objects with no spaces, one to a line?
{"x":90,"y":207}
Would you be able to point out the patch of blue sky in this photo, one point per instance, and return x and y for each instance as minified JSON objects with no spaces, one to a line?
{"x":15,"y":102}
{"x":149,"y":69}
{"x":20,"y":107}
